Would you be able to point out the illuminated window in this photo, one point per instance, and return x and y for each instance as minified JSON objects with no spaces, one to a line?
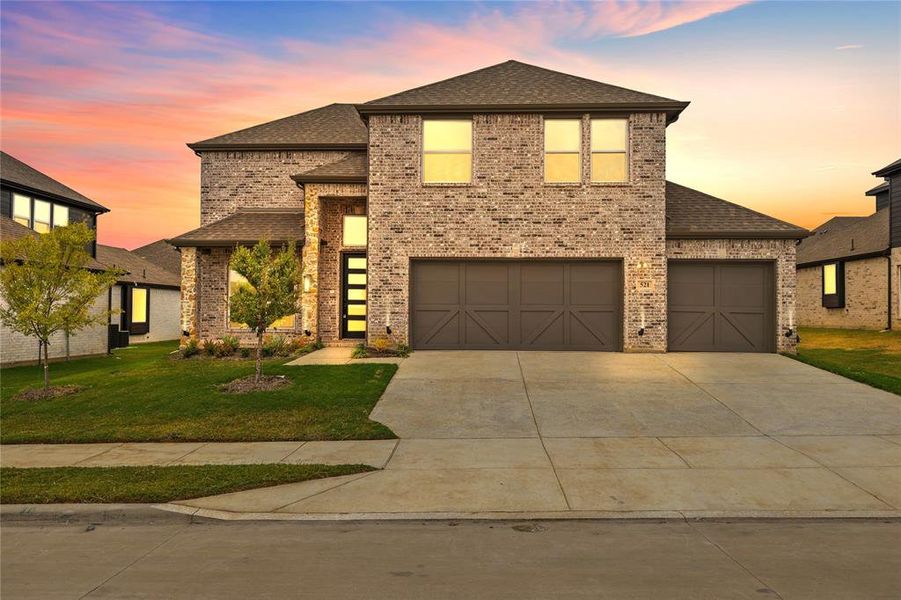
{"x":41,"y":216}
{"x":446,"y":151}
{"x":237,"y":281}
{"x":22,"y":210}
{"x":354,"y":230}
{"x":609,"y":150}
{"x":60,"y":215}
{"x":138,"y":305}
{"x":834,"y":285}
{"x":562,"y":150}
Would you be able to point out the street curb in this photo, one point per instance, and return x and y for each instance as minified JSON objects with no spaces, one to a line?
{"x":91,"y":513}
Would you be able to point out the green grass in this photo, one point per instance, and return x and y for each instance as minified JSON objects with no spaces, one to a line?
{"x":151,"y":484}
{"x":871,"y":357}
{"x":141,"y":394}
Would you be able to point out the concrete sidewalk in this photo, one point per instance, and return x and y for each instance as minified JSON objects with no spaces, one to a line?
{"x":338,"y":355}
{"x":368,"y":452}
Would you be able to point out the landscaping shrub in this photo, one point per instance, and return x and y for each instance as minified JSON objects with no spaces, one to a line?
{"x":230,"y":344}
{"x":276,"y":345}
{"x":360,"y":351}
{"x":209,"y":347}
{"x":245,"y":352}
{"x":382,"y":343}
{"x":190,"y":348}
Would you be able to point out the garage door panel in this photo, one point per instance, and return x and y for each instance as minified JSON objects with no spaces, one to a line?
{"x":721,"y":306}
{"x":518,"y":305}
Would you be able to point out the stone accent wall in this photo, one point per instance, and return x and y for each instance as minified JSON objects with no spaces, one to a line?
{"x":189,"y":291}
{"x":509,"y":212}
{"x":780,"y":251}
{"x":866,"y":296}
{"x":324,"y":206}
{"x":242,"y":179}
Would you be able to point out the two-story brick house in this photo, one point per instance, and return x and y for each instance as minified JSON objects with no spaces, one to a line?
{"x":510,"y":207}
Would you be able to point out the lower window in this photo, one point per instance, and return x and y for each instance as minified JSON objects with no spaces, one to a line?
{"x":139,"y":315}
{"x":834,"y":285}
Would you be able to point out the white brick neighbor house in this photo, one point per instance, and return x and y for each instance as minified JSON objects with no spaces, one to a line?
{"x":512,"y":207}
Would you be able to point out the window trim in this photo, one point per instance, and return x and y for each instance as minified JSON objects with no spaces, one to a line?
{"x":837,"y":299}
{"x":32,"y":200}
{"x":545,"y":152}
{"x":627,"y":151}
{"x":228,"y":321}
{"x":423,"y":152}
{"x":142,"y":328}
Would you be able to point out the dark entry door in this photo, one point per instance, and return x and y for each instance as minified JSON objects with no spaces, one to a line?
{"x":528,"y":305}
{"x":721,"y":307}
{"x":353,"y":296}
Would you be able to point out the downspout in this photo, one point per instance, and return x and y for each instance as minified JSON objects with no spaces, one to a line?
{"x":888,"y":306}
{"x":109,"y":311}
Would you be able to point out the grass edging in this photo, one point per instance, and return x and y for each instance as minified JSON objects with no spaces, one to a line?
{"x":882,"y":382}
{"x":106,"y":485}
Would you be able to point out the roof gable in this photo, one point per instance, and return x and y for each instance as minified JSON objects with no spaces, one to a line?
{"x":15,"y":172}
{"x":514,"y":85}
{"x":333,"y":126}
{"x":864,"y":236}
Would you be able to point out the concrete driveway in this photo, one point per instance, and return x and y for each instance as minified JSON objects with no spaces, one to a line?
{"x":568,"y":434}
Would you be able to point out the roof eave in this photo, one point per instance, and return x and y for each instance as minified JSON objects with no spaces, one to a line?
{"x":687,"y":234}
{"x":95,"y":208}
{"x":672,"y":109}
{"x":329,"y":178}
{"x":197,"y":243}
{"x":204,"y":147}
{"x":888,"y":170}
{"x":821,"y":261}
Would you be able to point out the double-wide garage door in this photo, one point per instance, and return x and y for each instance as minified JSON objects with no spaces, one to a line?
{"x":721,"y":307}
{"x":530,"y":305}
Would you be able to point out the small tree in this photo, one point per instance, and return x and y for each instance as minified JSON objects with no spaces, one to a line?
{"x":47,"y":287}
{"x":271,"y":293}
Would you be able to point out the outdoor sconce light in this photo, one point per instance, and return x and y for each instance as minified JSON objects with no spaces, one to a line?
{"x":643,"y":265}
{"x":641,"y":332}
{"x":307,"y":283}
{"x":306,"y":332}
{"x":388,"y":329}
{"x":789,"y":332}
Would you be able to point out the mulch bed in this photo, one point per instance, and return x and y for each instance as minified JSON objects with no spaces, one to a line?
{"x":54,"y":391}
{"x":244,"y":385}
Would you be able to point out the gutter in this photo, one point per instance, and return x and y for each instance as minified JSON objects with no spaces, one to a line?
{"x":851,"y":257}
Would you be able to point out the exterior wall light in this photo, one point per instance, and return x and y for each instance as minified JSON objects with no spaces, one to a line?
{"x":307,"y":283}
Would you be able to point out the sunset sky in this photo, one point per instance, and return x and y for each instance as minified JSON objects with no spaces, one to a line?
{"x":793,"y":104}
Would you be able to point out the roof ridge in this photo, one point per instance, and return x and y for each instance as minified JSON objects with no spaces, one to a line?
{"x":413,"y":89}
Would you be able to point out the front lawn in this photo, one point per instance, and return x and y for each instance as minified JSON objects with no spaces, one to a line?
{"x":871,"y":357}
{"x":141,"y":394}
{"x":151,"y":484}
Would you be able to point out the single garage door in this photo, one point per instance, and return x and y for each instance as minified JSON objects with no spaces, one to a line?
{"x":516,"y":305}
{"x":721,"y":307}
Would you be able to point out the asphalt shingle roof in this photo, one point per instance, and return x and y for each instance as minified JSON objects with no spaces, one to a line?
{"x":353,"y":167}
{"x":693,"y":214}
{"x":882,"y":187}
{"x":247,"y":226}
{"x":15,"y":172}
{"x":848,"y":238}
{"x":514,"y":84}
{"x":162,"y":254}
{"x":138,"y":270}
{"x":335,"y":125}
{"x":889,"y":169}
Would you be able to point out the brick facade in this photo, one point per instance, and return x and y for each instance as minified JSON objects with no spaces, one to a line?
{"x":782,"y":252}
{"x":509,"y":212}
{"x":866,"y":296}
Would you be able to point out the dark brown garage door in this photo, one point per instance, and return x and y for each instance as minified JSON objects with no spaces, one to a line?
{"x":721,"y":307}
{"x":530,"y":305}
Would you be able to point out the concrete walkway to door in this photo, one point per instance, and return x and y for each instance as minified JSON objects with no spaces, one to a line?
{"x":533,"y":434}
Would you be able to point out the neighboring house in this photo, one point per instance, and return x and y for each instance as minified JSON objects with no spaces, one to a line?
{"x":162,"y":254}
{"x":513,"y":207}
{"x":849,"y":269}
{"x":148,"y":295}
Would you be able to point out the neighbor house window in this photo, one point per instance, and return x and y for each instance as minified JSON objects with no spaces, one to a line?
{"x":237,"y":281}
{"x":22,"y":210}
{"x":41,"y":216}
{"x":354,"y":230}
{"x":834,"y":285}
{"x":609,"y":150}
{"x":562,"y":150}
{"x":60,"y":215}
{"x":140,"y":308}
{"x":446,"y":151}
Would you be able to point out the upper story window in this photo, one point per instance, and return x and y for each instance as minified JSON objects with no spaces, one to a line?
{"x":609,"y":150}
{"x":354,"y":230}
{"x":562,"y":150}
{"x":39,"y":215}
{"x":446,"y":151}
{"x":834,"y":285}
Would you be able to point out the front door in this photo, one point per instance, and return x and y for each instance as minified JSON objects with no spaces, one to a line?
{"x":353,"y":296}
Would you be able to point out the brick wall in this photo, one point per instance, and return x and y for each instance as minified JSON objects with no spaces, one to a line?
{"x":866,"y":296}
{"x":232,"y":180}
{"x":508,"y":211}
{"x":780,"y":251}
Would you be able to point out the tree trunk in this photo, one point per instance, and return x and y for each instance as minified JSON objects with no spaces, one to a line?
{"x":259,"y":371}
{"x":67,"y":346}
{"x":46,"y":368}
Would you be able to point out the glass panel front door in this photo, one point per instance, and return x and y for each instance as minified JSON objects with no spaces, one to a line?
{"x":353,"y":296}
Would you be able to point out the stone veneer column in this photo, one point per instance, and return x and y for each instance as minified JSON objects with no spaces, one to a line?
{"x":309,"y":301}
{"x":188,"y":290}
